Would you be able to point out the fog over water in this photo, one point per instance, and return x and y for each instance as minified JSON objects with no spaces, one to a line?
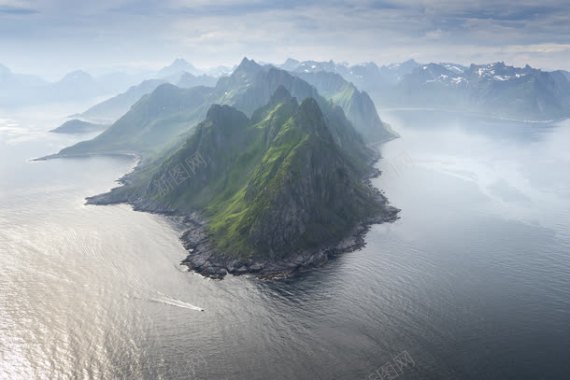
{"x":471,"y":282}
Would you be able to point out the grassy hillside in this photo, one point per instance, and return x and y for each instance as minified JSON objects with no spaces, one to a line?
{"x":275,"y":183}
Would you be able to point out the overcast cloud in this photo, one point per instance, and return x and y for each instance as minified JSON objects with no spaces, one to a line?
{"x":51,"y":37}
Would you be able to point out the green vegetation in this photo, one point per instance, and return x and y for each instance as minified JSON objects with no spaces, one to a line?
{"x":285,"y":180}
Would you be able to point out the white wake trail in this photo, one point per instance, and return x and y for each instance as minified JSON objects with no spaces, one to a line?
{"x":175,"y":302}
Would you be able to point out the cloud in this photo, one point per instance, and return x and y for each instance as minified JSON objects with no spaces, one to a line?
{"x":14,"y":7}
{"x":16,"y":11}
{"x":210,"y":33}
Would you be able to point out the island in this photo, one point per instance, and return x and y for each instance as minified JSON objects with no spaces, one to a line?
{"x":273,"y":180}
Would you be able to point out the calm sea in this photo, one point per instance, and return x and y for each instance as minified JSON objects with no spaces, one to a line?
{"x":473,"y":281}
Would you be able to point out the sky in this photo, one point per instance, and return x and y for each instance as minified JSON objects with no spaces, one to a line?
{"x":52,"y":37}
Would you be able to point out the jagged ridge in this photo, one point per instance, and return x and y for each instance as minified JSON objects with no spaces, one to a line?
{"x":270,"y":186}
{"x":158,"y":119}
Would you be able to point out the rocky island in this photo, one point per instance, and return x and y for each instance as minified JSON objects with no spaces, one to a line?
{"x":271,"y":194}
{"x":274,"y":179}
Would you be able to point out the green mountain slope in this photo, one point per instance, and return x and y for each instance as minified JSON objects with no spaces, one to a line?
{"x":357,"y":105}
{"x":151,"y":124}
{"x":270,"y":187}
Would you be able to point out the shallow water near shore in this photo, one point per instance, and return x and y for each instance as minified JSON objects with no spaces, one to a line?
{"x":471,"y":282}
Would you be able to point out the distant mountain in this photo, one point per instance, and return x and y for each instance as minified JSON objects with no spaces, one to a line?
{"x":312,"y":66}
{"x":10,"y":79}
{"x":276,"y":191}
{"x":79,"y":126}
{"x":188,"y":80}
{"x":256,"y":80}
{"x":366,"y":76}
{"x":23,"y":90}
{"x":396,"y":71}
{"x":115,"y":107}
{"x":75,"y":85}
{"x":358,"y":105}
{"x":493,"y":89}
{"x":219,"y":71}
{"x":150,"y":124}
{"x":158,"y":118}
{"x":177,"y":68}
{"x":14,"y":86}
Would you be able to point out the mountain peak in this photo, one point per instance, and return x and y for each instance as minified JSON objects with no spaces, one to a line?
{"x":280,"y":94}
{"x":367,"y":65}
{"x":310,"y":106}
{"x":218,"y":113}
{"x":178,"y":66}
{"x":311,"y":119}
{"x":410,"y":63}
{"x":291,"y":61}
{"x":248,"y":65}
{"x":179,"y":63}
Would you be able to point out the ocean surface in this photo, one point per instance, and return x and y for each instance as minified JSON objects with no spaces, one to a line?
{"x":472,"y":282}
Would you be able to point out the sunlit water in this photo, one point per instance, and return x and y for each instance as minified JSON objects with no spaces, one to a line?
{"x":472,"y":282}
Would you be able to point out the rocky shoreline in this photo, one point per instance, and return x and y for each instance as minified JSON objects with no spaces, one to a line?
{"x":203,"y":258}
{"x":206,"y":260}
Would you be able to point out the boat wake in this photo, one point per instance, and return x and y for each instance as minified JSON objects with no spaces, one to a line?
{"x":175,"y":302}
{"x":165,"y":300}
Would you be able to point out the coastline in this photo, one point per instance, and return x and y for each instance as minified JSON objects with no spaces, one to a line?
{"x":54,"y":156}
{"x":205,"y":259}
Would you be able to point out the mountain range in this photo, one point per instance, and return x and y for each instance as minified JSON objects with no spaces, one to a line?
{"x":270,"y":170}
{"x":357,"y":105}
{"x":493,"y":89}
{"x":270,"y":167}
{"x":113,"y":108}
{"x":158,"y":118}
{"x":367,"y":76}
{"x":24,"y":90}
{"x":271,"y":192}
